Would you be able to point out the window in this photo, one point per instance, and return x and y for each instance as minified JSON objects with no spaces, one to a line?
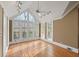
{"x":49,"y":30}
{"x":25,"y":24}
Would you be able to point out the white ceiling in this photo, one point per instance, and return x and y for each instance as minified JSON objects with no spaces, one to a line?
{"x":57,"y":8}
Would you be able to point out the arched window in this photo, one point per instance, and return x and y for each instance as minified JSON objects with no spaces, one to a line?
{"x":21,"y":16}
{"x":25,"y":16}
{"x":25,"y":27}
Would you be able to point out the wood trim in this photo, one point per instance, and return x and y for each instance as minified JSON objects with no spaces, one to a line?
{"x":39,"y":30}
{"x":10,"y":30}
{"x":45,"y":30}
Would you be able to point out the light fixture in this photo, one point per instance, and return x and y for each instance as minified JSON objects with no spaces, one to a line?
{"x":19,"y":7}
{"x":42,"y":13}
{"x":19,"y":4}
{"x":39,"y":14}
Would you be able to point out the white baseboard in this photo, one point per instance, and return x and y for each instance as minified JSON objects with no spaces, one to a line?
{"x":46,"y":40}
{"x":22,"y":41}
{"x":62,"y":45}
{"x":66,"y":46}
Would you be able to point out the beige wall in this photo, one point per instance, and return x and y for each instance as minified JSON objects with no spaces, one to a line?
{"x":1,"y":17}
{"x":66,"y":29}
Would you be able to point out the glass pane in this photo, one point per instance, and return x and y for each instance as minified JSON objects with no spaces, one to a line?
{"x":30,"y":34}
{"x":24,"y":35}
{"x":21,"y":16}
{"x":16,"y":35}
{"x":49,"y":30}
{"x":31,"y":18}
{"x":49,"y":34}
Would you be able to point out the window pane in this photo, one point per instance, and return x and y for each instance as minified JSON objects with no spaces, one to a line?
{"x":31,"y":18}
{"x":30,"y":34}
{"x":49,"y":30}
{"x":21,"y":16}
{"x":24,"y":35}
{"x":16,"y":35}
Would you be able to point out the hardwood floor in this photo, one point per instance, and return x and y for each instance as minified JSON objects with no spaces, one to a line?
{"x":38,"y":48}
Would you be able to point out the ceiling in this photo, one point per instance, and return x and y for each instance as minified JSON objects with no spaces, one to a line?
{"x":57,"y":8}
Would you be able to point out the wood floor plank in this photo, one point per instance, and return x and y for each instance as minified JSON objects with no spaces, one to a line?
{"x":38,"y":48}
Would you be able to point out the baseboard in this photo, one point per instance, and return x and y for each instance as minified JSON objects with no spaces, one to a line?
{"x":62,"y":45}
{"x":66,"y":46}
{"x":46,"y":41}
{"x":23,"y":41}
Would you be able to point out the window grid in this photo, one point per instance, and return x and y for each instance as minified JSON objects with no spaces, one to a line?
{"x":25,"y":26}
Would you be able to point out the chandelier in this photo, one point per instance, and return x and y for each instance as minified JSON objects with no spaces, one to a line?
{"x":42,"y":13}
{"x":19,"y":4}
